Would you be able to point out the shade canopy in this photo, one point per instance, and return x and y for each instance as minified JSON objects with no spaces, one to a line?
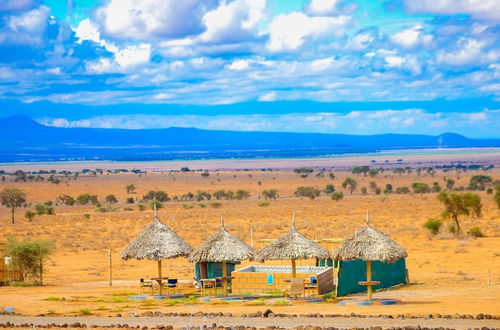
{"x":222,"y":246}
{"x":369,"y":244}
{"x":156,"y":242}
{"x":291,"y":246}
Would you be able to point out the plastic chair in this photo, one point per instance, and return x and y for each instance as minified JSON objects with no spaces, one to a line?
{"x":172,"y":284}
{"x":146,"y":285}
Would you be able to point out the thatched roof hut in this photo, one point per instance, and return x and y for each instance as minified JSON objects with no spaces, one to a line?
{"x":369,"y":244}
{"x":291,"y":246}
{"x":156,"y":242}
{"x":222,"y":246}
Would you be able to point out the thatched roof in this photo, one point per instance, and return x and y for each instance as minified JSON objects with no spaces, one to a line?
{"x":369,"y":244}
{"x":222,"y":246}
{"x":156,"y":242}
{"x":291,"y":245}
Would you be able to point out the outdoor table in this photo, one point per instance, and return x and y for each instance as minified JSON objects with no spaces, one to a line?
{"x":224,"y":280}
{"x":209,"y":281}
{"x":160,"y":282}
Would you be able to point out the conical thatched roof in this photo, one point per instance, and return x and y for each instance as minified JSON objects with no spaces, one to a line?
{"x":156,"y":242}
{"x":222,"y":246}
{"x":369,"y":244}
{"x":291,"y":245}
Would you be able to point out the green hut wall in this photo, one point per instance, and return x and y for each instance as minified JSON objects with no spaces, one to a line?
{"x":354,"y":271}
{"x":214,"y":269}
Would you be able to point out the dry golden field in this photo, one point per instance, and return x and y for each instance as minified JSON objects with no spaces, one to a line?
{"x":447,"y":274}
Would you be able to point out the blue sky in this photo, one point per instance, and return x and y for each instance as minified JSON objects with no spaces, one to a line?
{"x":334,"y":66}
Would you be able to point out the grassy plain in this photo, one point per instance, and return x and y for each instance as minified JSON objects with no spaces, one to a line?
{"x":448,"y":274}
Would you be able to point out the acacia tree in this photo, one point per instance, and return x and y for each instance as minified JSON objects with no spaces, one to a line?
{"x":29,"y":256}
{"x":351,"y":183}
{"x":496,"y":197}
{"x":460,"y":204}
{"x":420,"y":188}
{"x":12,"y":198}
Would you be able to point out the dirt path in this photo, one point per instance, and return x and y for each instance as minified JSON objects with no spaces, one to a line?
{"x":176,"y":322}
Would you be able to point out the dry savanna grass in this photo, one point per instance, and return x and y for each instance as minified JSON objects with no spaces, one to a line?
{"x":444,"y":271}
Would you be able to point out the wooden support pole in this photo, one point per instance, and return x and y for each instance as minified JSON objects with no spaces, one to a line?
{"x":110,"y":267}
{"x":294,"y":269}
{"x":159,"y":277}
{"x":251,"y":236}
{"x":224,"y":279}
{"x":369,"y":278}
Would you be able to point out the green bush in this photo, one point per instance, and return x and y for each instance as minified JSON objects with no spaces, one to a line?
{"x":475,"y":232}
{"x":216,"y":205}
{"x":264,"y":203}
{"x":44,"y":209}
{"x":310,"y":192}
{"x":433,"y":225}
{"x":336,"y":196}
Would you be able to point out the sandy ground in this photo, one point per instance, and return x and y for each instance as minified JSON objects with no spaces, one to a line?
{"x":426,"y":157}
{"x":177,"y":322}
{"x":448,"y":275}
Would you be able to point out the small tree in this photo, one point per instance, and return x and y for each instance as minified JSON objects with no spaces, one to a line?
{"x":388,"y":189}
{"x":433,"y":225}
{"x":29,"y":256}
{"x":450,"y":183}
{"x":242,"y":194}
{"x":479,"y":182}
{"x":270,"y":194}
{"x":420,"y":188}
{"x":330,"y":188}
{"x":29,"y":215}
{"x":310,"y":192}
{"x":131,"y":189}
{"x":350,"y":184}
{"x":12,"y":198}
{"x":402,"y":190}
{"x":156,"y":203}
{"x":336,"y":196}
{"x":457,"y":204}
{"x":496,"y":197}
{"x":111,"y":199}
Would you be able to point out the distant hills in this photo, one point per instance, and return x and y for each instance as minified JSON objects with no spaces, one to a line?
{"x":23,"y":139}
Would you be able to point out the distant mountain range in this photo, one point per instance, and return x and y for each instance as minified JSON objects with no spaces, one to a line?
{"x":23,"y":139}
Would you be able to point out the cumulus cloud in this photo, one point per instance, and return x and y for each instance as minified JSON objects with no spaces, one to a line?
{"x":153,"y":19}
{"x":234,"y":21}
{"x":288,"y":32}
{"x":411,"y":38}
{"x":26,"y":28}
{"x":481,"y":9}
{"x":468,"y":52}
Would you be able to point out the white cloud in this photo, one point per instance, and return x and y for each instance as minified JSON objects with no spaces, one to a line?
{"x":239,"y":65}
{"x":133,"y":55}
{"x":268,"y":97}
{"x":234,"y":21}
{"x":86,"y":30}
{"x":481,"y":9}
{"x":411,"y":38}
{"x":27,"y":28}
{"x":394,"y":61}
{"x":153,"y":19}
{"x":360,"y":42}
{"x":468,"y":52}
{"x":16,"y":4}
{"x":288,"y":32}
{"x":328,"y":7}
